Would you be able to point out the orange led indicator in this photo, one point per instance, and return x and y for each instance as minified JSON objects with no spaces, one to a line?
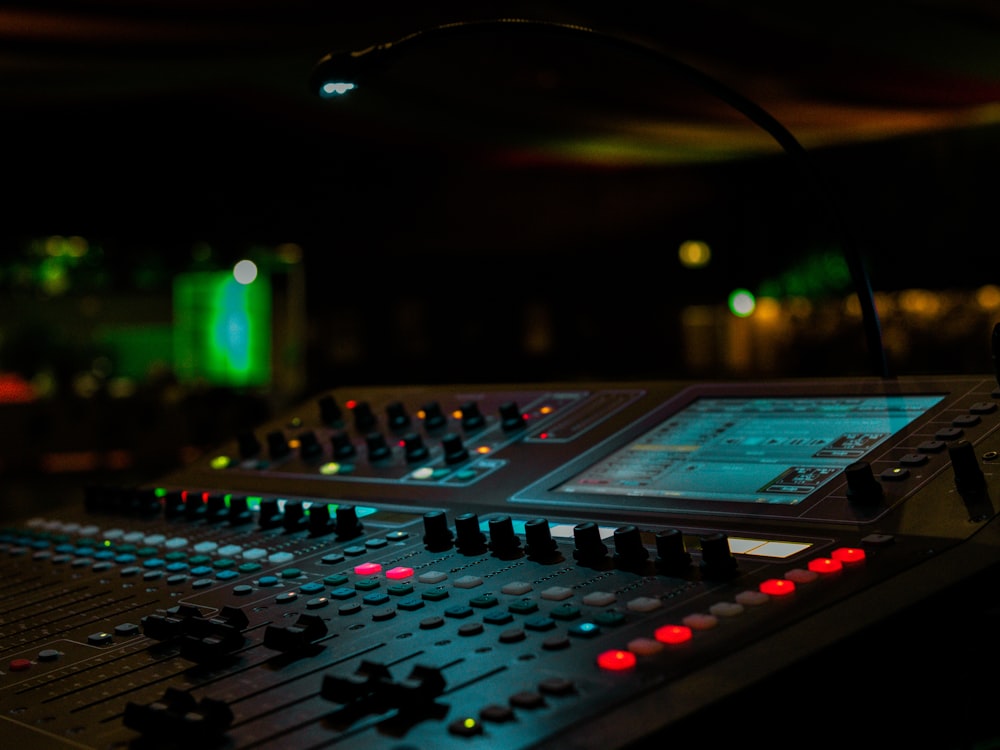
{"x":777,"y":586}
{"x":616,"y":660}
{"x":825,"y":565}
{"x":848,"y":554}
{"x":673,"y":634}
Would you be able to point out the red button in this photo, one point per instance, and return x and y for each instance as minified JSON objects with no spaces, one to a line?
{"x":848,"y":554}
{"x":19,"y":665}
{"x":616,"y":660}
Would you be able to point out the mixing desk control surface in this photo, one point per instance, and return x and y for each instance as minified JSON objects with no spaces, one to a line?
{"x":493,"y":567}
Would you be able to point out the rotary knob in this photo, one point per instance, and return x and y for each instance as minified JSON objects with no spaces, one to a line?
{"x":671,"y":554}
{"x":434,"y":418}
{"x":538,"y":541}
{"x":511,"y":417}
{"x":329,"y":412}
{"x":470,"y":540}
{"x":343,"y":448}
{"x":472,"y":417}
{"x":437,"y":535}
{"x":454,"y":451}
{"x":717,"y":561}
{"x":414,"y":448}
{"x":348,"y":523}
{"x":504,"y":543}
{"x":590,"y":548}
{"x":397,"y":416}
{"x":862,"y":486}
{"x":630,"y":553}
{"x":364,"y":418}
{"x":277,"y":445}
{"x":378,"y":448}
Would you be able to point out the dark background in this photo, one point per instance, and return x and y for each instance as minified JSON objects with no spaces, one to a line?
{"x":499,"y":206}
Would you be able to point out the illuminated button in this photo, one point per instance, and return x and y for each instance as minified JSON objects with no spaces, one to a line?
{"x":801,"y":575}
{"x":848,"y":554}
{"x":466,"y":727}
{"x":644,"y":646}
{"x":777,"y":587}
{"x":616,"y":660}
{"x":824,"y":565}
{"x":286,"y":596}
{"x":367,"y":569}
{"x":700,"y":621}
{"x":99,"y":639}
{"x":585,"y":630}
{"x":398,"y":573}
{"x":751,"y":598}
{"x":644,"y":604}
{"x":673,"y":634}
{"x":727,"y":609}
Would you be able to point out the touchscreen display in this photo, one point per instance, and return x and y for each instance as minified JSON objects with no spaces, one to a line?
{"x":771,"y":449}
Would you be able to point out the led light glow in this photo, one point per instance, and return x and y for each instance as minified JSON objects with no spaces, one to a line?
{"x":616,"y":660}
{"x":673,"y":634}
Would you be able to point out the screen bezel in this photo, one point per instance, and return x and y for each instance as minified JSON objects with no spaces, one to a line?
{"x":827,"y":504}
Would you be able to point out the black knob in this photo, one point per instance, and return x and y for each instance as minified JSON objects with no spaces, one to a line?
{"x":590,"y":548}
{"x":671,"y":554}
{"x":862,"y":486}
{"x":472,"y":418}
{"x":469,"y":539}
{"x":454,"y":451}
{"x":239,"y":510}
{"x":320,"y":521}
{"x":215,"y":507}
{"x":969,"y":478}
{"x":248,"y":445}
{"x":295,"y":516}
{"x":194,"y":505}
{"x":378,"y":448}
{"x":511,"y":417}
{"x":414,"y":448}
{"x":504,"y":543}
{"x":717,"y":560}
{"x":309,"y":446}
{"x":538,"y":542}
{"x":437,"y":535}
{"x":277,"y":445}
{"x":342,"y":445}
{"x":348,"y":524}
{"x":434,"y":418}
{"x":329,"y":412}
{"x":364,"y":418}
{"x":173,"y":503}
{"x":398,"y":418}
{"x":269,"y":514}
{"x":629,"y":549}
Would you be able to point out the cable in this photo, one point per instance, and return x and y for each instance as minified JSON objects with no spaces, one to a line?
{"x":337,"y":72}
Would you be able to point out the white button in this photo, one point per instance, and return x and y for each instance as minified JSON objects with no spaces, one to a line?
{"x":254,"y":553}
{"x":280,"y":557}
{"x":599,"y":598}
{"x":516,"y":588}
{"x":431,"y":576}
{"x":468,"y":582}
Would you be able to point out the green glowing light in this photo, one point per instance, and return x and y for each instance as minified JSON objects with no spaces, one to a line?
{"x":222,"y":329}
{"x":220,"y":462}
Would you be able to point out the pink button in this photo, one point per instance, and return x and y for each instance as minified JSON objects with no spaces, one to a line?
{"x":367,"y":569}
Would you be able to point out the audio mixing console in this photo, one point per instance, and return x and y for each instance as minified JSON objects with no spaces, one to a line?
{"x":462,"y":568}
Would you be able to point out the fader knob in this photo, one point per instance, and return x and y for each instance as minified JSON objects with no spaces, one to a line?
{"x":437,"y":535}
{"x":472,"y":418}
{"x":343,"y":447}
{"x":504,"y":543}
{"x":671,"y":555}
{"x":277,"y":445}
{"x":511,"y":417}
{"x":309,"y":446}
{"x":629,"y":549}
{"x":248,"y":445}
{"x":329,"y":412}
{"x":470,"y":540}
{"x":295,"y":515}
{"x":454,"y":451}
{"x":398,"y":418}
{"x":434,"y":418}
{"x":969,"y":477}
{"x":414,"y":448}
{"x":538,"y":541}
{"x":364,"y":418}
{"x":348,"y":524}
{"x":320,"y":522}
{"x":717,"y":560}
{"x":590,"y":549}
{"x":269,"y":513}
{"x":862,"y":486}
{"x":378,"y":448}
